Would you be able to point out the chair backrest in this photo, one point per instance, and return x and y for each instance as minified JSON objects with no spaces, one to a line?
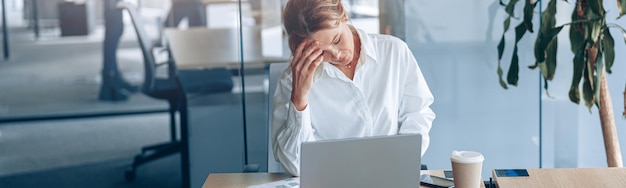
{"x":276,"y":69}
{"x":145,"y":43}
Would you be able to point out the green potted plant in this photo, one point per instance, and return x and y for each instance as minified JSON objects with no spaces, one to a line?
{"x":594,"y":54}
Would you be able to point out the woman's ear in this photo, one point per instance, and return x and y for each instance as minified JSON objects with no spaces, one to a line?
{"x":344,"y":17}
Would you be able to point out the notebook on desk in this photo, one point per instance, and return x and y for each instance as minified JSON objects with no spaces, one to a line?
{"x":382,"y":161}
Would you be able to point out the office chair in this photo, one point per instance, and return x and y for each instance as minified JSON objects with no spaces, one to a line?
{"x":174,"y":88}
{"x":276,"y":69}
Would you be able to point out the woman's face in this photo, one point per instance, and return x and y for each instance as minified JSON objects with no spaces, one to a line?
{"x":337,"y":44}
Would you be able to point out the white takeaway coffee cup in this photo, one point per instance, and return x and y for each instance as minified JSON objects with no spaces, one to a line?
{"x":467,"y":168}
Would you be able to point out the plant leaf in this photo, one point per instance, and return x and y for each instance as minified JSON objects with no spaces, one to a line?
{"x":510,"y":8}
{"x":545,"y":87}
{"x":597,"y":76}
{"x":591,"y":78}
{"x":574,"y":94}
{"x":528,"y":15}
{"x":596,"y":7}
{"x":546,"y":32}
{"x":577,"y":34}
{"x":546,"y":42}
{"x":542,"y":68}
{"x":548,"y":66}
{"x":548,"y":15}
{"x":500,"y":73}
{"x":507,"y":23}
{"x":513,"y":75}
{"x":520,"y":30}
{"x":587,"y":90}
{"x":500,"y":52}
{"x":551,"y":59}
{"x":608,"y":48}
{"x":621,"y":4}
{"x":501,"y":48}
{"x":591,"y":88}
{"x":592,"y":54}
{"x":623,"y":32}
{"x":597,"y":28}
{"x":579,"y":65}
{"x":543,"y":41}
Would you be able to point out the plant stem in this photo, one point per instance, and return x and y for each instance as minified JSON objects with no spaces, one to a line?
{"x":607,"y":121}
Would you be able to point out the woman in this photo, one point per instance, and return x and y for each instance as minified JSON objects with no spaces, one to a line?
{"x":344,"y":83}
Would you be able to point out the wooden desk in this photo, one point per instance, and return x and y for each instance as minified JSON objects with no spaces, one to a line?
{"x":201,"y":47}
{"x":232,"y":180}
{"x":238,"y":180}
{"x":566,"y":177}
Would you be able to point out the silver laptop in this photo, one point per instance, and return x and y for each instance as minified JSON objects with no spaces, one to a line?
{"x":382,"y":161}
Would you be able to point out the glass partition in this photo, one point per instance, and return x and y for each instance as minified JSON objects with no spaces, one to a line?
{"x":266,"y":15}
{"x":55,"y":66}
{"x":217,"y":36}
{"x":456,"y":51}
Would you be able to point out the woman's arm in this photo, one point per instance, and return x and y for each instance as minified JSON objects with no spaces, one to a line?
{"x":291,"y":122}
{"x":415,"y":115}
{"x":290,"y":127}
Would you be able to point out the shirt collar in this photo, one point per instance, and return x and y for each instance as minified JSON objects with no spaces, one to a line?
{"x":366,"y":44}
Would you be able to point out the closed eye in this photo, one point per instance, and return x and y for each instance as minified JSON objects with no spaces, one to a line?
{"x":337,"y":42}
{"x":336,"y":39}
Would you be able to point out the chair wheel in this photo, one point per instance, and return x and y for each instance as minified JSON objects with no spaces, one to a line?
{"x":129,"y":175}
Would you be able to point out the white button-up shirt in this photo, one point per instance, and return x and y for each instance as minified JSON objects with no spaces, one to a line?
{"x":388,"y":95}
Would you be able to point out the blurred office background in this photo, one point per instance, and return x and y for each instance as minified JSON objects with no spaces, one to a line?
{"x":57,"y":130}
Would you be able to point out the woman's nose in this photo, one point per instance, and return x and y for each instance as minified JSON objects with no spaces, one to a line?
{"x":335,"y":54}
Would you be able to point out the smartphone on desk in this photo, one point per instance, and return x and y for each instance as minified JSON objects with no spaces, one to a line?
{"x":435,"y":181}
{"x":511,"y":172}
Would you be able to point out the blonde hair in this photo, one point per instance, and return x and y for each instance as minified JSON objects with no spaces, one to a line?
{"x":302,"y":18}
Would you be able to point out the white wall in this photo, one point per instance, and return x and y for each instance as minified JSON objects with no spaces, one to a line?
{"x":455,"y":45}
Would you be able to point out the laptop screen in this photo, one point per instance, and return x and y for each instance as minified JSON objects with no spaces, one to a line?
{"x":381,"y":161}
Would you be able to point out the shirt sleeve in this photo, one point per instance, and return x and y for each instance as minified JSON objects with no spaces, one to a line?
{"x":290,"y":127}
{"x":415,"y":115}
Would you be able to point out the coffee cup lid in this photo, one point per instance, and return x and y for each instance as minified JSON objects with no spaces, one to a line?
{"x":467,"y":157}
